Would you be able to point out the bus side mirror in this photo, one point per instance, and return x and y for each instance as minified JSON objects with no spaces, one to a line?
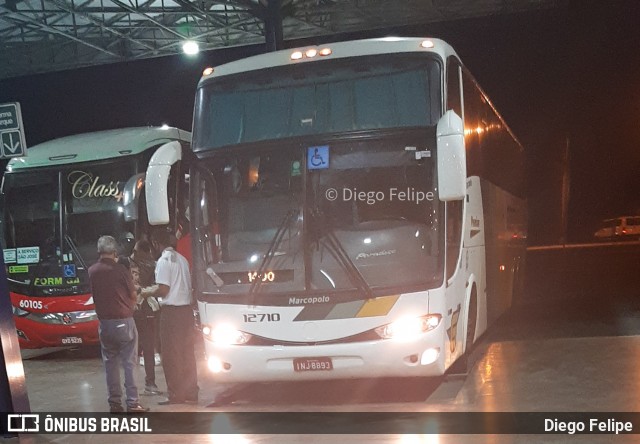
{"x":452,"y":166}
{"x":131,"y":196}
{"x":157,"y":182}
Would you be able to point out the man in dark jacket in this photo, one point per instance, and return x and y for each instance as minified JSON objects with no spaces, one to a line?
{"x":114,"y":296}
{"x":143,"y":267}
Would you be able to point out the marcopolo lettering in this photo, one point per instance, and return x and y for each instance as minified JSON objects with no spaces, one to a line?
{"x":310,"y":300}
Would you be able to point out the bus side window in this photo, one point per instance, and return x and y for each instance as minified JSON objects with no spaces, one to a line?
{"x":454,"y":98}
{"x":454,"y":235}
{"x":206,"y":197}
{"x":178,"y":188}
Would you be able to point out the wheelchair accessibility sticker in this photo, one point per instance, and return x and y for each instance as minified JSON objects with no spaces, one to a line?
{"x":317,"y":157}
{"x":69,"y":271}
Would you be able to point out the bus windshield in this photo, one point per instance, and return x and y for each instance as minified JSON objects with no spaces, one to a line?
{"x":50,"y":231}
{"x":367,"y":222}
{"x":329,"y":97}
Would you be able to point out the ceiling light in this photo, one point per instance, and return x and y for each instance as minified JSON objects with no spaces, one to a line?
{"x":190,"y":47}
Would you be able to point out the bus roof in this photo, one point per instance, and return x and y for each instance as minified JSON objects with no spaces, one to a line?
{"x":99,"y":145}
{"x":386,"y":45}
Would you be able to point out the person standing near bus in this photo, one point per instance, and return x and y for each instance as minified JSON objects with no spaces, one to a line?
{"x":142,"y":269}
{"x":177,"y":328}
{"x":114,"y":296}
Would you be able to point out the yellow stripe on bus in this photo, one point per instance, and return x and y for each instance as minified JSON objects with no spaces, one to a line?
{"x":377,"y":306}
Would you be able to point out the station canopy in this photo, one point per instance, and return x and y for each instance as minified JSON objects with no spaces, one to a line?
{"x":39,"y":36}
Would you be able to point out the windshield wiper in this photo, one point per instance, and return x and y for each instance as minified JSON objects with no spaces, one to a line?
{"x":269,"y":255}
{"x":74,"y":250}
{"x":342,"y":256}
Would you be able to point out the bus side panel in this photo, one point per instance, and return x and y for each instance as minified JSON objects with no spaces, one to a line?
{"x":505,"y":242}
{"x":474,"y":254}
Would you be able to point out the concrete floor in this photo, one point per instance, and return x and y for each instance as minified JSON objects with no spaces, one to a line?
{"x":551,"y":374}
{"x":571,"y":343}
{"x":555,"y":374}
{"x":565,"y":351}
{"x":73,"y":380}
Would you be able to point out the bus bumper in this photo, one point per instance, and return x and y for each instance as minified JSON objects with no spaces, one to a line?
{"x":32,"y":334}
{"x":370,"y":359}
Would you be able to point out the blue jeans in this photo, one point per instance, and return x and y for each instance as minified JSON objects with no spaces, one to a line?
{"x":119,"y":343}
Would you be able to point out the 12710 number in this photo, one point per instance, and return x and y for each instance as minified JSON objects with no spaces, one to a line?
{"x":262,"y":317}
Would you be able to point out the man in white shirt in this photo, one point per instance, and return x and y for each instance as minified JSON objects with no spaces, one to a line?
{"x":177,"y":326}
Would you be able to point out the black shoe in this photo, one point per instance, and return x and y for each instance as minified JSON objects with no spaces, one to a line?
{"x":151,"y":391}
{"x":170,"y":401}
{"x":137,"y":409}
{"x":115,"y":408}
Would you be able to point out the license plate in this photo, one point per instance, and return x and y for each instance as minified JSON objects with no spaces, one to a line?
{"x":312,"y":364}
{"x":72,"y":340}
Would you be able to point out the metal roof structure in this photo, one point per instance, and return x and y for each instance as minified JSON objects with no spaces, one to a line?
{"x":39,"y":36}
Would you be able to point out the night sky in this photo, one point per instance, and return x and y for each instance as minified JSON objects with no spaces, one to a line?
{"x":570,"y":75}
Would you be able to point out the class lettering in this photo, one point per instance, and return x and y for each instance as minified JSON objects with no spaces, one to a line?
{"x":84,"y":184}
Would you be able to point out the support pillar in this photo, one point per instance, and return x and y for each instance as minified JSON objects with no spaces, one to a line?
{"x":273,"y":26}
{"x":13,"y":388}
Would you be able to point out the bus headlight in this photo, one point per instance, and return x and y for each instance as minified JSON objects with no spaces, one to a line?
{"x":225,"y":334}
{"x":19,"y":311}
{"x":408,"y":328}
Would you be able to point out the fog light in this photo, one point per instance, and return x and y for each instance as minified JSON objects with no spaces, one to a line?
{"x":215,"y":365}
{"x":22,"y":335}
{"x":429,"y":356}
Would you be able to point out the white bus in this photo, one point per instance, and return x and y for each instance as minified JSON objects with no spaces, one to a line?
{"x":356,"y":211}
{"x":57,"y":201}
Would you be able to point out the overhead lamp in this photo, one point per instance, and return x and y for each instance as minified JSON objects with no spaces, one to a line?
{"x":190,"y":47}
